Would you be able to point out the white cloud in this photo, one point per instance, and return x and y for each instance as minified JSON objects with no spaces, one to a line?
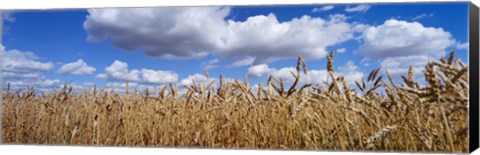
{"x":81,"y":86}
{"x":168,"y":32}
{"x":42,"y":84}
{"x":88,"y":84}
{"x":78,"y":67}
{"x":399,"y":65}
{"x":152,"y":76}
{"x":314,"y":77}
{"x":324,"y":8}
{"x":396,"y":45}
{"x":194,"y":32}
{"x":15,"y":75}
{"x":267,"y":39}
{"x":396,"y":38}
{"x":243,"y":62}
{"x":461,"y":46}
{"x":121,"y":87}
{"x":358,"y":8}
{"x":258,"y":70}
{"x":24,"y":62}
{"x":214,"y":61}
{"x":349,"y":71}
{"x":283,"y":73}
{"x":211,"y":64}
{"x":24,"y":69}
{"x":102,"y":76}
{"x":24,"y":81}
{"x":424,"y":15}
{"x":360,"y":28}
{"x":342,"y":50}
{"x":119,"y":71}
{"x":199,"y":78}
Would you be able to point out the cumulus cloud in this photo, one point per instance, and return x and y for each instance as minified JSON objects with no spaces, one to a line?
{"x":42,"y":84}
{"x":88,"y":84}
{"x":119,"y":71}
{"x":324,"y":8}
{"x":396,"y":45}
{"x":168,"y":32}
{"x":78,"y":67}
{"x":211,"y":64}
{"x":24,"y":62}
{"x":199,"y":78}
{"x":258,"y":70}
{"x":349,"y":71}
{"x":82,"y":86}
{"x":14,"y":75}
{"x":120,"y":87}
{"x":396,"y":38}
{"x":158,"y":77}
{"x":397,"y":66}
{"x":360,"y":28}
{"x":266,"y":39}
{"x":121,"y":84}
{"x":358,"y":8}
{"x":194,"y":32}
{"x":461,"y":46}
{"x":243,"y":62}
{"x":24,"y":69}
{"x":315,"y":76}
{"x":342,"y":50}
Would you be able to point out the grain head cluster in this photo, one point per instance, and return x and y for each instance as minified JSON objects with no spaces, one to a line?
{"x":376,"y":113}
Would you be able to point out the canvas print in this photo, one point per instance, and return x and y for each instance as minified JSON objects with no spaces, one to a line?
{"x":336,"y":77}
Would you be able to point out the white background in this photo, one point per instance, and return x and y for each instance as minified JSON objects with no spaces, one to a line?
{"x":65,"y":4}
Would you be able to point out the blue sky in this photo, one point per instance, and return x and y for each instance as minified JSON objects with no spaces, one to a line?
{"x":162,"y":45}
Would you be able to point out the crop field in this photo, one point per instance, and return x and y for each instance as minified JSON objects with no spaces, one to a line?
{"x":377,"y":113}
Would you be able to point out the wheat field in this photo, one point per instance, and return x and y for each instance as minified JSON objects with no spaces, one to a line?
{"x":374,"y":114}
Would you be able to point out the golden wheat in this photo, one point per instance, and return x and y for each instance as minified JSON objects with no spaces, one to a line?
{"x":405,"y":117}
